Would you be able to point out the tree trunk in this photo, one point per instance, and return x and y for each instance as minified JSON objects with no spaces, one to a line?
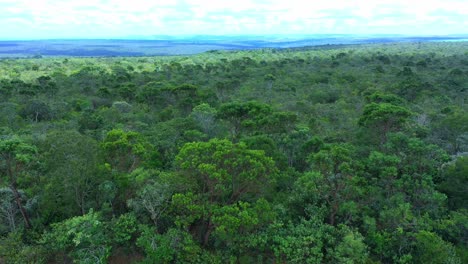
{"x":20,"y":206}
{"x":15,"y":191}
{"x":331,"y":218}
{"x":206,"y":237}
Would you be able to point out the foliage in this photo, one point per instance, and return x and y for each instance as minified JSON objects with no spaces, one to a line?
{"x":84,"y":238}
{"x":333,"y":154}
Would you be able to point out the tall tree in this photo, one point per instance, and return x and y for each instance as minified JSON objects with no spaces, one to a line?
{"x":15,"y":155}
{"x":383,"y":118}
{"x":73,"y":176}
{"x":337,"y":177}
{"x":219,"y":176}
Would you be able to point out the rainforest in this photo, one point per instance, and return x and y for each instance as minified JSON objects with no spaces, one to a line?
{"x":322,"y":154}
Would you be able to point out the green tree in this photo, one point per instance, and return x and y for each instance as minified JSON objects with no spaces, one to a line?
{"x":124,"y":150}
{"x":219,"y":175}
{"x":186,"y":96}
{"x":350,"y":247}
{"x":9,"y":115}
{"x":14,"y":249}
{"x":430,"y":248}
{"x":15,"y":155}
{"x":175,"y":246}
{"x":9,"y":210}
{"x":205,"y":116}
{"x":84,"y":238}
{"x":420,"y":164}
{"x":241,"y":116}
{"x":337,"y":177}
{"x":383,"y":118}
{"x":153,"y":199}
{"x":253,"y":118}
{"x":36,"y":110}
{"x":72,"y":173}
{"x":47,"y":84}
{"x":453,"y":183}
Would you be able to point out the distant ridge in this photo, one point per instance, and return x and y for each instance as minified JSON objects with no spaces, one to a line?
{"x":186,"y":45}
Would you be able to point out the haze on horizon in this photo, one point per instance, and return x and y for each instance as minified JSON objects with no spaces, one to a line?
{"x":58,"y":19}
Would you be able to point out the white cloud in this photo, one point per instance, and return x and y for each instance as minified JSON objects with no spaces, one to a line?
{"x":120,"y":18}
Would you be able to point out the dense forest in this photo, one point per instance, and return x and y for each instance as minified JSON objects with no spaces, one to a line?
{"x":332,"y":154}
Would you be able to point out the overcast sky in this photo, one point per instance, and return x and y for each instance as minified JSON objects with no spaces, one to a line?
{"x":40,"y":19}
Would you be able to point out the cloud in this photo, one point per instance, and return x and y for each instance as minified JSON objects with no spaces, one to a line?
{"x":120,"y":18}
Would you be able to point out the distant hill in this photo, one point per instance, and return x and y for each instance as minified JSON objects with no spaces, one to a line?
{"x":169,"y":45}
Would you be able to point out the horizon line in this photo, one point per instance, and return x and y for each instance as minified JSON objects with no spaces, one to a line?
{"x":188,"y":36}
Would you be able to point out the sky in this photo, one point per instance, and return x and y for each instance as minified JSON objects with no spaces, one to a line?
{"x":51,"y":19}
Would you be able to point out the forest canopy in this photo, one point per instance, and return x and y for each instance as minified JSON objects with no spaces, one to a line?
{"x":331,"y":154}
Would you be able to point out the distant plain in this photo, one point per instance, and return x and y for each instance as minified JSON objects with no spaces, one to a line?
{"x":167,"y":46}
